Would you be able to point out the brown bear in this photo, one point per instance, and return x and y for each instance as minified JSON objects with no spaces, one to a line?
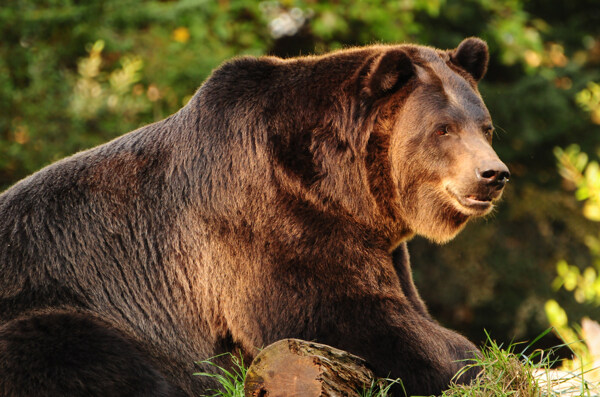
{"x":275,"y":204}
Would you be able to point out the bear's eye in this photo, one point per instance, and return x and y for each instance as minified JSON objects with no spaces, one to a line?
{"x":442,"y":130}
{"x":488,"y":131}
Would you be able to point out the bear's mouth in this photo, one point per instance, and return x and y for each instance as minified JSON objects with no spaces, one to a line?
{"x":473,"y":203}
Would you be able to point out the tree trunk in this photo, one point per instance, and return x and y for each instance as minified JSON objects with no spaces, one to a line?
{"x":293,"y":367}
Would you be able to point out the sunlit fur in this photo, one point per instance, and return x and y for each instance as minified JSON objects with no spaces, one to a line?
{"x":275,"y":204}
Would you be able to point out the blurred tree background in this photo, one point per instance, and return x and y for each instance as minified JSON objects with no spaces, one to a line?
{"x":74,"y":74}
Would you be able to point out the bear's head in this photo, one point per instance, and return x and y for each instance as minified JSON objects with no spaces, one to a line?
{"x":435,"y":133}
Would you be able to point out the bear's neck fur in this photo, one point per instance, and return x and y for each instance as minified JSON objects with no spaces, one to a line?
{"x":327,"y":148}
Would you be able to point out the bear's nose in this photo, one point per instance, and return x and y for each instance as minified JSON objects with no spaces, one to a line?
{"x":496,"y":174}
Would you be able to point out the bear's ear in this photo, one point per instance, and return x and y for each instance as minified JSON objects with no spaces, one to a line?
{"x":387,"y":73}
{"x":471,"y":55}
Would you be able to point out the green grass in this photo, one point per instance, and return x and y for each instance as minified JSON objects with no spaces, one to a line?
{"x":508,"y":373}
{"x":379,"y":388}
{"x":505,"y":372}
{"x":231,"y":381}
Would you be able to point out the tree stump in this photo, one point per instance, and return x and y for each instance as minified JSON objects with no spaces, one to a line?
{"x":293,"y":367}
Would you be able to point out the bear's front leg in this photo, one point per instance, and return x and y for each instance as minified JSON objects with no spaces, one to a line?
{"x":357,"y":305}
{"x":395,"y":339}
{"x":398,"y":342}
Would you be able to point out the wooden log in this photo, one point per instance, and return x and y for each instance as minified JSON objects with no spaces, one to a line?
{"x":293,"y":367}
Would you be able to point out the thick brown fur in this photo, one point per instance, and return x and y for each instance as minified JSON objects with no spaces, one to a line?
{"x":268,"y":207}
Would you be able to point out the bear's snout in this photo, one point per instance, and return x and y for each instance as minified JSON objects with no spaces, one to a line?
{"x":494,"y":175}
{"x":476,"y":195}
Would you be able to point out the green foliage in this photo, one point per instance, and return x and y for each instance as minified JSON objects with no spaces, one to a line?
{"x":74,"y":75}
{"x":380,"y":388}
{"x":99,"y":93}
{"x":506,"y":372}
{"x":584,"y":175}
{"x":231,"y":380}
{"x":574,"y":167}
{"x":589,"y":99}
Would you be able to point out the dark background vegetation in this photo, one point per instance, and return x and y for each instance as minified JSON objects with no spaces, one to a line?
{"x":74,"y":74}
